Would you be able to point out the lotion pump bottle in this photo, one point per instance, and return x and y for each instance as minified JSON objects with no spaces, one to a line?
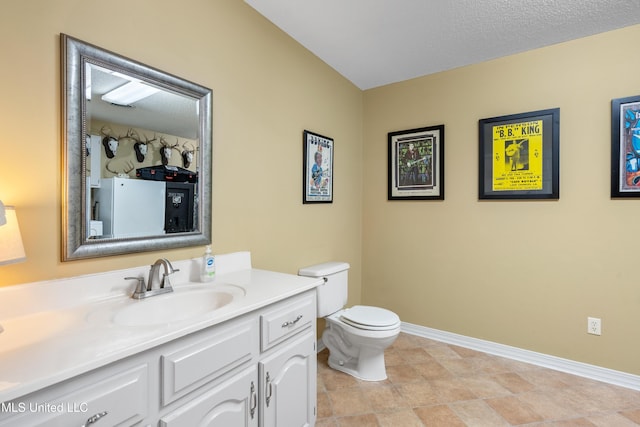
{"x":208,"y":272}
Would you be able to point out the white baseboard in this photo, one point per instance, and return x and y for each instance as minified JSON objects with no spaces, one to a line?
{"x":597,"y":373}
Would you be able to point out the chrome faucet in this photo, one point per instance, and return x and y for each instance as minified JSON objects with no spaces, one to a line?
{"x":164,"y":283}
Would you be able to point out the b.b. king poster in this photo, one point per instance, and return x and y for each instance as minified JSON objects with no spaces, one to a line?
{"x":517,"y":156}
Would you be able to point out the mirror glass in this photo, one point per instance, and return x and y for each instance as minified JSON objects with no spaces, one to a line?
{"x":136,"y":157}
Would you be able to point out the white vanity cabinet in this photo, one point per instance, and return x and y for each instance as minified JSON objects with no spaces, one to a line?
{"x":275,"y":387}
{"x":269,"y":371}
{"x":255,"y":370}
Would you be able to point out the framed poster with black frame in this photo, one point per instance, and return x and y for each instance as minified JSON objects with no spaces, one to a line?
{"x":625,"y":147}
{"x":519,"y":156}
{"x":416,"y":164}
{"x":317,"y":168}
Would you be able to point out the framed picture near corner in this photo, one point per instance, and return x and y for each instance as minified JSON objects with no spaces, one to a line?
{"x":416,"y":164}
{"x":625,"y":147}
{"x":519,"y":156}
{"x":317,"y":168}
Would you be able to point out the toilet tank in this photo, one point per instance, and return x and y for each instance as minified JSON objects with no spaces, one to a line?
{"x":332,"y":294}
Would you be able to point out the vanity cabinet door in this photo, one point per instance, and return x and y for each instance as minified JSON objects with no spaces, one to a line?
{"x":233,"y":403}
{"x":288,"y":384}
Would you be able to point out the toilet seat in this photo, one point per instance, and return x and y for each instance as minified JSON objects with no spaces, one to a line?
{"x":370,"y":318}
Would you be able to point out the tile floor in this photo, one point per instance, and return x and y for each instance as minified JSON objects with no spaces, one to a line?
{"x":434,"y":384}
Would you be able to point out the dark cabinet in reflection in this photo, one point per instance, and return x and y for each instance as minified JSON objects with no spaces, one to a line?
{"x":179,"y":207}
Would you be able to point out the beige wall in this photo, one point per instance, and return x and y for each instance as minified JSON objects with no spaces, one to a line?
{"x":266,"y":90}
{"x":522,"y":273}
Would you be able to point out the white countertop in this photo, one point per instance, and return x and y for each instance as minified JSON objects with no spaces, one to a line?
{"x":58,"y":329}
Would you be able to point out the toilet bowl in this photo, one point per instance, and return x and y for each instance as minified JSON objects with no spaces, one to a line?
{"x":356,"y":337}
{"x":357,"y":348}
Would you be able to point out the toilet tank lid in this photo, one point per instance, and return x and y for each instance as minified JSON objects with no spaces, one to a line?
{"x":325,"y":269}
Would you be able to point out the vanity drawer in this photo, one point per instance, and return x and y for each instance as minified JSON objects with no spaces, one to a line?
{"x":114,"y":397}
{"x":286,"y":319}
{"x":205,"y":359}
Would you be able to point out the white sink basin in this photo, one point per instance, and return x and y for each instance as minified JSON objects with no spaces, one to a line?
{"x":174,"y":307}
{"x":34,"y":328}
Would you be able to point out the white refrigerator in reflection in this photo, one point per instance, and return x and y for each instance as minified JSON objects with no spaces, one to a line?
{"x":131,"y":207}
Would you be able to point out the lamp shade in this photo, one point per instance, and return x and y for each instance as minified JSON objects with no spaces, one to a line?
{"x":3,"y":215}
{"x":11,"y":249}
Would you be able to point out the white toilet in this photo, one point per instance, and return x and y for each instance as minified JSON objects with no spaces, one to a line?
{"x":356,"y":337}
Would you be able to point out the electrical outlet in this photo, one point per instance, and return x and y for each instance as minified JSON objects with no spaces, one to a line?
{"x":594,"y":326}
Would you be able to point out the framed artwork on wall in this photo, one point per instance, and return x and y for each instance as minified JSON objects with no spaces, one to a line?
{"x":625,"y":147}
{"x":317,"y":168}
{"x":519,"y":156}
{"x":416,"y":164}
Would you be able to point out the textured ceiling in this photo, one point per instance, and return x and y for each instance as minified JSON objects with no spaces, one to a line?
{"x":377,"y":42}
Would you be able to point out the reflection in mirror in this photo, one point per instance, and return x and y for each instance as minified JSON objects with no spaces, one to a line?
{"x":137,"y":156}
{"x":138,"y":133}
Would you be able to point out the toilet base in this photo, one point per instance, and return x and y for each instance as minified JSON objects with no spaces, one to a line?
{"x":359,"y":356}
{"x":366,"y":367}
